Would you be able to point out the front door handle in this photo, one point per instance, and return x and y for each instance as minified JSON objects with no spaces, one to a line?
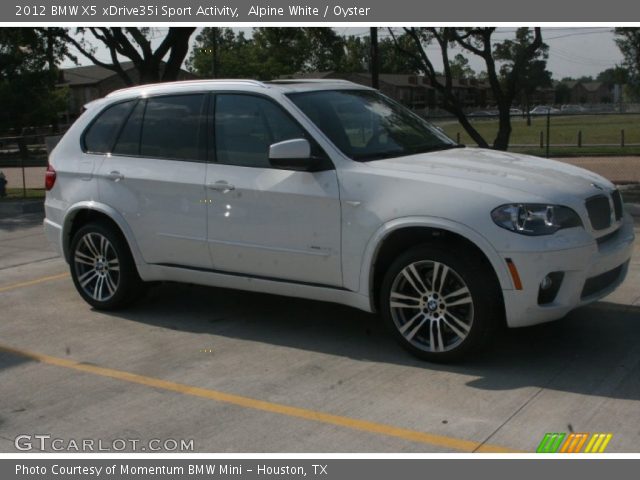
{"x":115,"y":175}
{"x":221,"y":186}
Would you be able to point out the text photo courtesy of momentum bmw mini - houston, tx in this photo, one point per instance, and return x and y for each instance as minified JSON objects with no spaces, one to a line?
{"x":293,"y":236}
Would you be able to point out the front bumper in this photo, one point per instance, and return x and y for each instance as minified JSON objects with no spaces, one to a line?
{"x":604,"y":265}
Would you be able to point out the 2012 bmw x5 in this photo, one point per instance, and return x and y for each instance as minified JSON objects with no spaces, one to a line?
{"x":328,"y":190}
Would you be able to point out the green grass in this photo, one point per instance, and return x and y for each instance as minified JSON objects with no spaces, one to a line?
{"x":578,"y":152}
{"x":596,"y":129}
{"x":16,"y":193}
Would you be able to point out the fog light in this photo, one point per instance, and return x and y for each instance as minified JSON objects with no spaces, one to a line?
{"x":549,"y":287}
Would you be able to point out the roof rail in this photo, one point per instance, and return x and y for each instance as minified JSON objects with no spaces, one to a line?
{"x":191,"y":82}
{"x":309,"y":80}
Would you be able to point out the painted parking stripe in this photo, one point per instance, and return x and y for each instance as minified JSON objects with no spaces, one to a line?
{"x":36,"y":281}
{"x":261,"y":405}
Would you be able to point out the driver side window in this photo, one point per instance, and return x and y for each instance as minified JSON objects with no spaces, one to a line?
{"x":246,"y":125}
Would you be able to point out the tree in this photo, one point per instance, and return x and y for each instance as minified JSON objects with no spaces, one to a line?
{"x":356,"y":55}
{"x":613,"y":76}
{"x":460,"y":67}
{"x":221,"y":53}
{"x":270,"y":53}
{"x":393,"y":60}
{"x":135,"y":45}
{"x":28,"y":74}
{"x":563,"y":92}
{"x":287,"y":51}
{"x":628,"y":41}
{"x":532,"y":74}
{"x":504,"y":82}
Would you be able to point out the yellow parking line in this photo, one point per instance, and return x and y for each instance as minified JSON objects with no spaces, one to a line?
{"x":254,"y":404}
{"x":33,"y":282}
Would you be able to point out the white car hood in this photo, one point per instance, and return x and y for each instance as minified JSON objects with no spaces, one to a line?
{"x":538,"y":176}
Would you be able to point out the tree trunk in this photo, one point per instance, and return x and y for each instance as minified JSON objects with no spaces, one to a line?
{"x":501,"y":141}
{"x":470,"y":129}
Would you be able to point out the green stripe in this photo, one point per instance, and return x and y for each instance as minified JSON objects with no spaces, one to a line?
{"x":550,"y":443}
{"x":541,"y":448}
{"x":558,"y":443}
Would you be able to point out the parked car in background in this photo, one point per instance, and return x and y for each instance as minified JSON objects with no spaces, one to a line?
{"x":543,"y":110}
{"x":331,"y":191}
{"x":483,"y":114}
{"x":573,"y":109}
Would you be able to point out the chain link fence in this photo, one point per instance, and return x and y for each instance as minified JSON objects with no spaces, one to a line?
{"x":23,"y":162}
{"x":607,"y":143}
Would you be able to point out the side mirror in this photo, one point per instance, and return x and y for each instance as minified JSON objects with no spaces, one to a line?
{"x":292,"y":154}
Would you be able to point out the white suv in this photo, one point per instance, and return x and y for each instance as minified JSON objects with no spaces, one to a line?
{"x":328,"y":190}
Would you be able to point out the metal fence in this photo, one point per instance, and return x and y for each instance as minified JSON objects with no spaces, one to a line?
{"x":605,"y":142}
{"x":23,"y":162}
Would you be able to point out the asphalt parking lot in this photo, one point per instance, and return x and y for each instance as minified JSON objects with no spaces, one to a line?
{"x":245,"y":372}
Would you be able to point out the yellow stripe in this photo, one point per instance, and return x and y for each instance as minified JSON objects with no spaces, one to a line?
{"x":246,"y":402}
{"x":607,"y":439}
{"x":33,"y":282}
{"x":590,"y":444}
{"x":598,"y":442}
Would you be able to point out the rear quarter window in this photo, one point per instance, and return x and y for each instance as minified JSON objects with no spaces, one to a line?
{"x":102,"y":133}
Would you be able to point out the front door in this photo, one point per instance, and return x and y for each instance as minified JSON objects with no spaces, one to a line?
{"x":263,"y":221}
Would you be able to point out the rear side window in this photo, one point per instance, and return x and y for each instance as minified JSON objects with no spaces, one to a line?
{"x":129,"y":140}
{"x":173,"y":128}
{"x":102,"y":133}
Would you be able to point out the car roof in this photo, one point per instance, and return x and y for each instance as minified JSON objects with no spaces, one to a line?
{"x":285,"y":86}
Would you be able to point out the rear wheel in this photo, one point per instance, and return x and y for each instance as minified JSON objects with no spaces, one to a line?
{"x":439,"y":306}
{"x":102,"y":267}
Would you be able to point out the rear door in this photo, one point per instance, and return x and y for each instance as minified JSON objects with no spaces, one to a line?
{"x":154,"y":176}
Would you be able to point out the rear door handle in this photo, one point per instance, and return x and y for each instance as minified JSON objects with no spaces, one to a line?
{"x":221,"y":186}
{"x":115,"y":175}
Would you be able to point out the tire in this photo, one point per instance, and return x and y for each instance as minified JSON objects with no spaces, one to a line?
{"x":445,"y":322}
{"x":102,"y":267}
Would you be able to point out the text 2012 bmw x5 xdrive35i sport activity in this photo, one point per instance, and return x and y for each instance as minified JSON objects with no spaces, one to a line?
{"x":331,"y":191}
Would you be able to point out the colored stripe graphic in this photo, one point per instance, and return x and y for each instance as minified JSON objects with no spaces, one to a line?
{"x":598,"y":443}
{"x":574,"y":442}
{"x":556,"y":443}
{"x":550,"y":443}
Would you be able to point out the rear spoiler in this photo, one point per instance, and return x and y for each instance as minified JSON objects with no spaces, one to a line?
{"x":92,"y":104}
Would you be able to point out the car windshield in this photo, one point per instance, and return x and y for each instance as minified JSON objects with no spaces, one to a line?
{"x":366,"y":125}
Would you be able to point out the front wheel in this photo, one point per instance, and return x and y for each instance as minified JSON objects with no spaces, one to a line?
{"x":439,"y":305}
{"x":102,"y":267}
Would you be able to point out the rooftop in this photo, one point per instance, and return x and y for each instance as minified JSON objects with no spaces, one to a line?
{"x":290,"y":85}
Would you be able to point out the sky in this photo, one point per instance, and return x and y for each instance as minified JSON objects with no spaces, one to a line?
{"x":573,"y":51}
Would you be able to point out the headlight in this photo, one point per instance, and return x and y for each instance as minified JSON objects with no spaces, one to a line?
{"x":535,"y":218}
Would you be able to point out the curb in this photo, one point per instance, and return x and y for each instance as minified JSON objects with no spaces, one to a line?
{"x":19,"y":207}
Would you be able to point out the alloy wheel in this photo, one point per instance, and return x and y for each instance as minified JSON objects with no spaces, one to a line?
{"x":431,"y":306}
{"x":97,"y":266}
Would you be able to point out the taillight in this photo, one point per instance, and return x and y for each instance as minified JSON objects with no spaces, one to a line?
{"x":49,"y":178}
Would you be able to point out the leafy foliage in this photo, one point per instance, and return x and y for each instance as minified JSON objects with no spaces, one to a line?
{"x":628,"y":41}
{"x":28,"y":73}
